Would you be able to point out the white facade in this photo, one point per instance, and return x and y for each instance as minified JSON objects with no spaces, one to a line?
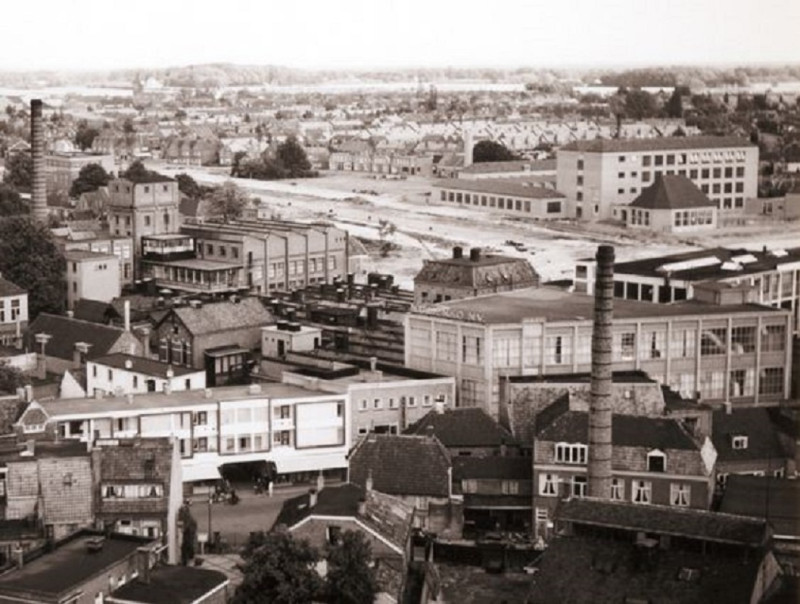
{"x":92,"y":276}
{"x":277,"y":340}
{"x":103,"y":379}
{"x":13,"y":317}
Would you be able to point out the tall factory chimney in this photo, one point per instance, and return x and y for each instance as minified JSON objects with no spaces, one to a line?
{"x":600,"y":407}
{"x":469,"y":145}
{"x":39,"y":189}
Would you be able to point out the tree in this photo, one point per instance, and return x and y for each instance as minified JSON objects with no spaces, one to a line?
{"x":19,"y":171}
{"x":30,"y":259}
{"x":227,"y":201}
{"x":674,"y":106}
{"x":11,"y":378}
{"x":639,"y":104}
{"x":281,"y":571}
{"x":189,"y":535}
{"x":350,"y":578}
{"x":11,"y":204}
{"x":137,"y":172}
{"x":128,"y":127}
{"x":189,"y":187}
{"x":84,"y":135}
{"x":293,"y":158}
{"x":490,"y":151}
{"x":90,"y":178}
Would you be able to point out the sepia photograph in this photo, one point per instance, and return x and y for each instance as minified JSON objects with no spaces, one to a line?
{"x":381,"y":302}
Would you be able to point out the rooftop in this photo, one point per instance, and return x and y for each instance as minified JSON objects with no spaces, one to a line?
{"x":79,"y":255}
{"x":66,"y":331}
{"x":68,"y":567}
{"x":513,"y":188}
{"x":555,"y":304}
{"x":87,"y":407}
{"x":627,"y":145}
{"x":671,"y":192}
{"x":173,"y":584}
{"x":222,"y":316}
{"x":775,"y":500}
{"x":755,"y":423}
{"x":197,"y":263}
{"x":483,"y":271}
{"x":9,"y":289}
{"x":463,"y":427}
{"x":495,"y":467}
{"x":142,"y":365}
{"x":491,"y":167}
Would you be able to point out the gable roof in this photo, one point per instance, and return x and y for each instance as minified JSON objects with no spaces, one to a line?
{"x":626,"y":431}
{"x":463,"y":427}
{"x":756,"y":425}
{"x":174,"y":584}
{"x":672,"y":192}
{"x":94,"y":311}
{"x":66,"y":332}
{"x":7,"y":288}
{"x":222,"y":316}
{"x":395,"y":464}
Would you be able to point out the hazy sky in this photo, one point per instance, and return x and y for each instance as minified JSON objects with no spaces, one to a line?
{"x":89,"y":34}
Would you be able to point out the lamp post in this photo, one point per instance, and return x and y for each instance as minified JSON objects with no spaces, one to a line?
{"x":210,"y":501}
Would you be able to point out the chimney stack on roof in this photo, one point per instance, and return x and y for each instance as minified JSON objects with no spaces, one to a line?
{"x":127,"y":313}
{"x":458,"y":252}
{"x":475,"y":254}
{"x":39,"y":182}
{"x":600,"y":408}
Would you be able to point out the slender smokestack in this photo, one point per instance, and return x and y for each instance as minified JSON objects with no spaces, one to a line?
{"x":468,"y":148}
{"x":600,"y":406}
{"x":39,"y":188}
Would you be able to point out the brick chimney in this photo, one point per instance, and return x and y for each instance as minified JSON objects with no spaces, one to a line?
{"x":600,"y":406}
{"x":39,"y":188}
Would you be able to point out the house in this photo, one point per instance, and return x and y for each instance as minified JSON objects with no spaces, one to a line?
{"x":91,"y":275}
{"x":175,"y":584}
{"x":466,"y":431}
{"x":83,"y":570}
{"x":391,"y":464}
{"x":90,"y":239}
{"x":120,"y":373}
{"x":547,"y":331}
{"x":768,"y":274}
{"x":497,"y":492}
{"x":461,"y":277}
{"x":748,"y":442}
{"x":621,"y":552}
{"x":63,"y":168}
{"x":63,"y":343}
{"x":600,"y":177}
{"x":13,"y":313}
{"x":672,"y":204}
{"x":654,"y":461}
{"x":511,"y":197}
{"x":321,"y":516}
{"x":186,"y":333}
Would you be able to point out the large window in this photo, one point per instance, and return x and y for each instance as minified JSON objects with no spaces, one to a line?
{"x":712,"y":384}
{"x":743,"y":340}
{"x":571,"y":453}
{"x":741,"y":383}
{"x":641,"y":491}
{"x":579,"y":486}
{"x":771,"y":381}
{"x":472,"y":350}
{"x":713,"y":342}
{"x":683,"y":343}
{"x":680,"y":494}
{"x":505,"y":350}
{"x":652,"y":344}
{"x":773,"y":338}
{"x":548,"y":485}
{"x":446,"y":346}
{"x":559,"y":350}
{"x":625,"y":346}
{"x":420,"y":342}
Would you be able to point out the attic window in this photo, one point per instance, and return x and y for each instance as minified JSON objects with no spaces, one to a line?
{"x":656,"y":461}
{"x":738,"y":442}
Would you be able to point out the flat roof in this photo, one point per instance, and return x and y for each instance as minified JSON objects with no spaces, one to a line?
{"x":173,"y":584}
{"x":197,"y":264}
{"x":142,"y":365}
{"x":166,"y":236}
{"x":555,"y":304}
{"x":78,"y":255}
{"x":498,"y":186}
{"x":159,"y":400}
{"x":69,"y":566}
{"x":671,"y":143}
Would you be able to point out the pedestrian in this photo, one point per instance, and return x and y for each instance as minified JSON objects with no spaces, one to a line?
{"x":269,"y":486}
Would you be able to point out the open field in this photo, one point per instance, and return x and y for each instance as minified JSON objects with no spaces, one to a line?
{"x":429,"y":230}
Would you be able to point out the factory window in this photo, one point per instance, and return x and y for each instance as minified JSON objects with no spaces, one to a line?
{"x":740,"y":172}
{"x":743,"y":339}
{"x":646,"y":159}
{"x":680,"y":494}
{"x":773,"y":338}
{"x":580,"y":164}
{"x":471,"y":350}
{"x":147,"y":221}
{"x":670,"y":160}
{"x":571,"y":453}
{"x":771,"y":381}
{"x":659,"y":160}
{"x":626,"y":346}
{"x":713,"y":342}
{"x":641,"y":491}
{"x":509,"y":487}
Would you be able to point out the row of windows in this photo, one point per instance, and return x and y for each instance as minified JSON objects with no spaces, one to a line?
{"x":640,"y":491}
{"x":502,"y":203}
{"x":578,"y":453}
{"x":507,"y":487}
{"x":14,"y":310}
{"x":395,"y":403}
{"x":222,"y":250}
{"x":132,"y":491}
{"x":693,"y":217}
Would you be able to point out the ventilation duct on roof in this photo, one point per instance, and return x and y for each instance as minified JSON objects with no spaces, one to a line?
{"x":731,"y":266}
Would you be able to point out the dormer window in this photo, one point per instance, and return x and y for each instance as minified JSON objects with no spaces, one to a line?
{"x":656,"y":461}
{"x":738,"y":441}
{"x":571,"y":453}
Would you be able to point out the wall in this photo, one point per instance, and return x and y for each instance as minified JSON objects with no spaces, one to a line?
{"x":315,"y":530}
{"x":93,"y":279}
{"x":66,"y":491}
{"x":122,"y":380}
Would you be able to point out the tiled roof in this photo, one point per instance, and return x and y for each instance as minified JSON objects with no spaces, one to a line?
{"x":128,"y":362}
{"x":627,"y":145}
{"x":487,"y":271}
{"x":93,"y":311}
{"x":174,"y":584}
{"x":401,"y":465}
{"x":222,"y":316}
{"x":463,"y":427}
{"x":626,"y":431}
{"x":665,"y":520}
{"x":756,"y":425}
{"x":777,"y":500}
{"x":66,"y":332}
{"x":671,"y":192}
{"x":498,"y":186}
{"x":495,"y":467}
{"x":9,"y":289}
{"x":128,"y":460}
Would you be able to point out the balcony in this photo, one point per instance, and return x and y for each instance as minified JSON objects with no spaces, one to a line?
{"x":195,"y":275}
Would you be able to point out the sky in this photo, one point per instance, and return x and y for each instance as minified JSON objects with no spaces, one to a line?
{"x":363,"y":34}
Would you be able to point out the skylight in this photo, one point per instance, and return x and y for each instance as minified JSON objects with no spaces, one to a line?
{"x":684,"y":265}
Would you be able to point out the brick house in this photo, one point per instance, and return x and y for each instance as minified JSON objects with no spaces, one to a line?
{"x":186,"y":333}
{"x":386,"y":521}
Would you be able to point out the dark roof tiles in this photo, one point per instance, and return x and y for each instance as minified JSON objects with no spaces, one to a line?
{"x":672,"y":192}
{"x":463,"y":427}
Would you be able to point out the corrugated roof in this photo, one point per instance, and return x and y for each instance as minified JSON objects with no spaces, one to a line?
{"x":672,"y":192}
{"x":401,"y":465}
{"x":623,"y":145}
{"x":498,"y":186}
{"x":487,"y":271}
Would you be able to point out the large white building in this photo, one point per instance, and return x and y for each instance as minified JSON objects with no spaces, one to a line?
{"x":297,"y":429}
{"x":601,"y":177}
